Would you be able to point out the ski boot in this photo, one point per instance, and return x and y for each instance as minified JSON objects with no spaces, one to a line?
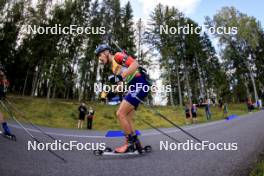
{"x":127,"y":147}
{"x":137,"y":144}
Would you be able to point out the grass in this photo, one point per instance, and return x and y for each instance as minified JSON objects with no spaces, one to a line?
{"x":64,"y":114}
{"x":258,"y":170}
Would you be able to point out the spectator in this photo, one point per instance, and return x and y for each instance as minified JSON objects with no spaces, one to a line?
{"x":214,"y":100}
{"x":201,"y":100}
{"x":208,"y":101}
{"x":194,"y":113}
{"x":259,"y":103}
{"x":207,"y":110}
{"x":90,"y":118}
{"x":225,"y":110}
{"x":220,"y":104}
{"x":188,"y":114}
{"x":82,"y":111}
{"x":250,"y":105}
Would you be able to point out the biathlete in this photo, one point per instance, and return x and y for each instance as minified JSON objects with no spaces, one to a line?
{"x":3,"y":85}
{"x":126,"y":68}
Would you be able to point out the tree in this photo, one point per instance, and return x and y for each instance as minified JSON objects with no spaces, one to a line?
{"x":244,"y":42}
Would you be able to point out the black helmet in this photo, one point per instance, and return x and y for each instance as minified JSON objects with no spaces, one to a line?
{"x":101,"y":48}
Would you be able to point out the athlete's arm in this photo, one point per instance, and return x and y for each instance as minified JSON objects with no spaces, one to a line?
{"x":129,"y":62}
{"x":131,"y":69}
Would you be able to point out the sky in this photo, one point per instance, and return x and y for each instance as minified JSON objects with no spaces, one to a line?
{"x":198,"y":9}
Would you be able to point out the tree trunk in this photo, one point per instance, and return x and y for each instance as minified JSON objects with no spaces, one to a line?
{"x":49,"y":91}
{"x":189,"y":91}
{"x":202,"y":91}
{"x":67,"y":94}
{"x":254,"y":85}
{"x":54,"y":92}
{"x":171,"y":97}
{"x":252,"y":79}
{"x":246,"y":85}
{"x":80,"y":93}
{"x":35,"y":80}
{"x":179,"y":85}
{"x":25,"y":84}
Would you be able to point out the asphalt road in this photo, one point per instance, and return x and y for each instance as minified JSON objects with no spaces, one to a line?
{"x":247,"y":131}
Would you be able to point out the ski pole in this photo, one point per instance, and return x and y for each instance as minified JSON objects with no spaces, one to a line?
{"x":116,"y":45}
{"x":26,"y":130}
{"x":168,"y":120}
{"x":109,"y":38}
{"x":31,"y":123}
{"x":162,"y":132}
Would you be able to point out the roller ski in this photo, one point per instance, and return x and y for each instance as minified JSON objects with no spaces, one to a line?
{"x":9,"y":136}
{"x":110,"y":152}
{"x":132,"y":146}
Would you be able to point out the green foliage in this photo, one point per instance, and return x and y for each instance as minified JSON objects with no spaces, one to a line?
{"x":45,"y":65}
{"x":64,"y":65}
{"x":188,"y":59}
{"x":258,"y":170}
{"x":240,"y":48}
{"x":60,"y":113}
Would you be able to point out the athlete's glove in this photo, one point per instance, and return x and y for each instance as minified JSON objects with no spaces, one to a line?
{"x":114,"y":79}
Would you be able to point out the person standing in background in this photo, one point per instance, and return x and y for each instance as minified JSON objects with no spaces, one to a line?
{"x":225,"y":110}
{"x":90,"y":118}
{"x":188,"y":113}
{"x":194,"y":113}
{"x":82,"y":111}
{"x":207,"y":110}
{"x":250,"y":105}
{"x":220,"y":104}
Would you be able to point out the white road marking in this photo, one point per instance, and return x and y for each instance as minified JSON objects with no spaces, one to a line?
{"x":96,"y":136}
{"x":144,"y":134}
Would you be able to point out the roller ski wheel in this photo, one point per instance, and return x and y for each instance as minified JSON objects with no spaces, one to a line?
{"x":98,"y":152}
{"x":108,"y":149}
{"x":101,"y":152}
{"x":9,"y":136}
{"x":147,"y":149}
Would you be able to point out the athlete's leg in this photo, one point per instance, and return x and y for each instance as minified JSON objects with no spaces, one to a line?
{"x":4,"y":125}
{"x":135,"y":137}
{"x":130,"y":117}
{"x":122,"y":113}
{"x":125,"y":115}
{"x":81,"y":123}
